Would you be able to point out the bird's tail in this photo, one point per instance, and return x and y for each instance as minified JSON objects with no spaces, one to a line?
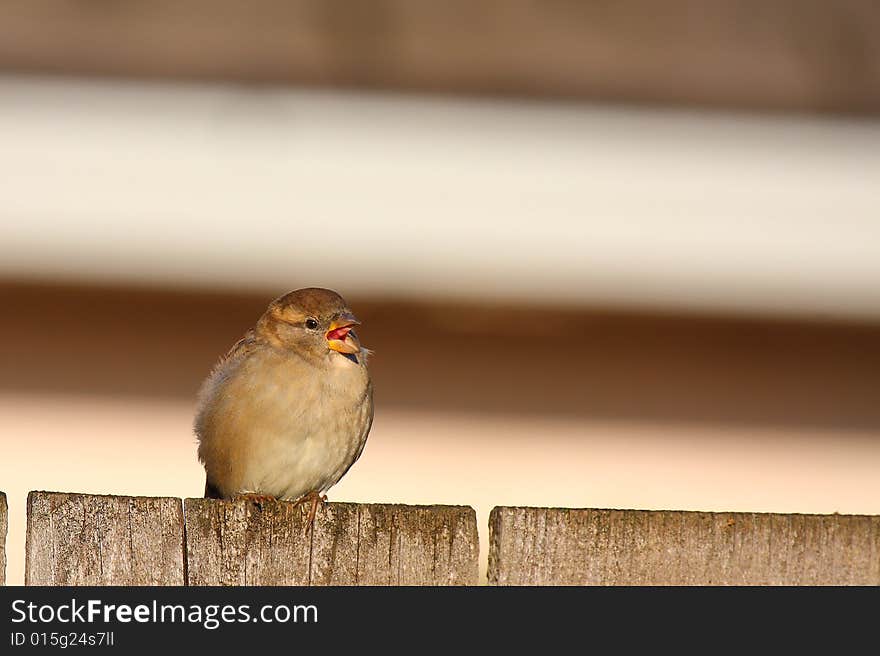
{"x":211,"y":491}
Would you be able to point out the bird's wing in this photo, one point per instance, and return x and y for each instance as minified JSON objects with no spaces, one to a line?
{"x":365,"y":432}
{"x":240,"y":349}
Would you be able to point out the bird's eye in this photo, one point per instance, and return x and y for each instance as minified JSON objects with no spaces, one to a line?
{"x":311,"y":324}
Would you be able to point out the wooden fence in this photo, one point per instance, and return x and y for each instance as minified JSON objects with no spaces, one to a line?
{"x":78,"y":539}
{"x":3,"y":524}
{"x":558,"y":546}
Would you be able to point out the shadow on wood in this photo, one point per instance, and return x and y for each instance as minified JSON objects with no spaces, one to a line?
{"x":558,"y":546}
{"x":243,"y":543}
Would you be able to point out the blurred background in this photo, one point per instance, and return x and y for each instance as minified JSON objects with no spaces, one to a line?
{"x":608,"y":254}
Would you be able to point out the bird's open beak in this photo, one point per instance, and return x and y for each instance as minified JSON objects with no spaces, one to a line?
{"x":341,"y":337}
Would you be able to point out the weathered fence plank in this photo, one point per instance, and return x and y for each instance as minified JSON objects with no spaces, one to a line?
{"x":4,"y":519}
{"x":81,"y":539}
{"x":558,"y":546}
{"x":243,"y":543}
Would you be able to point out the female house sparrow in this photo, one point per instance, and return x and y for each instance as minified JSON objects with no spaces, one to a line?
{"x":287,"y":411}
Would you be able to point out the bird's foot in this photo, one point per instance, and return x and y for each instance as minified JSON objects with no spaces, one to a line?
{"x":316,"y":499}
{"x":258,"y":499}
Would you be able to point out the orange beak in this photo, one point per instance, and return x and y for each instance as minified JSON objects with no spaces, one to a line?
{"x":341,"y":337}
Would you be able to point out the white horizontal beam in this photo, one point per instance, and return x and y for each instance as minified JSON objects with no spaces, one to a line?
{"x":228,"y":186}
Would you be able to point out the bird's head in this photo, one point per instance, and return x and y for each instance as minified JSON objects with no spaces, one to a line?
{"x":314,"y":322}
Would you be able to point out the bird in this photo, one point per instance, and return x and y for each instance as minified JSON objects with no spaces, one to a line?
{"x":287,"y":411}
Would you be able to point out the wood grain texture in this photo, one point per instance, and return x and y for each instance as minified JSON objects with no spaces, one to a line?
{"x":243,"y":543}
{"x":80,"y":539}
{"x":558,"y":546}
{"x":4,"y":524}
{"x":792,"y":54}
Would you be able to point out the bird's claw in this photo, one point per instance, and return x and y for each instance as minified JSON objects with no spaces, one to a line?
{"x":317,"y":499}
